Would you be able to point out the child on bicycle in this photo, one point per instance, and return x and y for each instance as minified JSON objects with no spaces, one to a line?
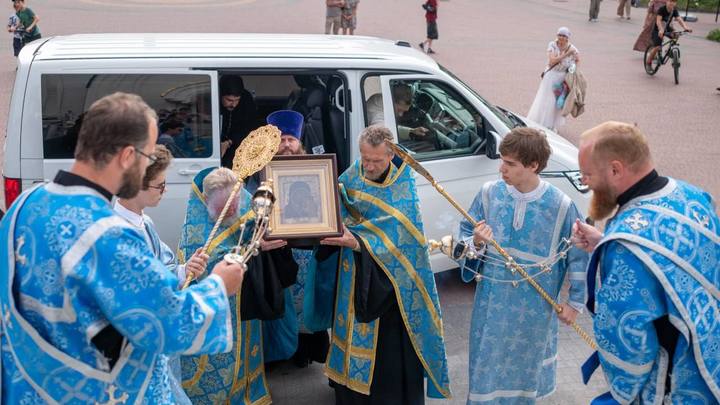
{"x":663,"y":24}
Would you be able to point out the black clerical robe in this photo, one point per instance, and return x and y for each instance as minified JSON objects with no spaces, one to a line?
{"x":398,"y":373}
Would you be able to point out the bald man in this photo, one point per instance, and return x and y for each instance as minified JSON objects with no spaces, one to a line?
{"x":656,"y":321}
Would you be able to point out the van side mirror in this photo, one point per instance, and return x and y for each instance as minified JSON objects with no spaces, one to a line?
{"x":491,"y":148}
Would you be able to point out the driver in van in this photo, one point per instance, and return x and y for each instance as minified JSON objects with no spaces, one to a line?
{"x":402,"y":101}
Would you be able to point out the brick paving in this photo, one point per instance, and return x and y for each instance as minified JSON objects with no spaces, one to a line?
{"x":308,"y":386}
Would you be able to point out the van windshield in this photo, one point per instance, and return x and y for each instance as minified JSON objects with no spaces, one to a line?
{"x":504,"y":117}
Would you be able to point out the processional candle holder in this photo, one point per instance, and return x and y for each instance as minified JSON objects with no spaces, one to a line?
{"x":456,"y":250}
{"x":263,"y":202}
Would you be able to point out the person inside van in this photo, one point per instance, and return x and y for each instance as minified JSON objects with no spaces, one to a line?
{"x":402,"y":101}
{"x":238,"y":114}
{"x":169,"y":131}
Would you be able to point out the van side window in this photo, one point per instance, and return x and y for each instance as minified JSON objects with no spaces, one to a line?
{"x":182,"y":103}
{"x":373,"y":98}
{"x":432,"y":119}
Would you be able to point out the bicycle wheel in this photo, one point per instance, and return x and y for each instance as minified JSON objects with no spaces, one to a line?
{"x":654,"y":65}
{"x":675,"y":54}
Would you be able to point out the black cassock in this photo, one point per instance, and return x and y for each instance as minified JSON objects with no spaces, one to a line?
{"x":268,"y":274}
{"x":398,"y":377}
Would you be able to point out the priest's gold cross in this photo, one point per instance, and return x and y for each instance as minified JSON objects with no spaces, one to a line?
{"x":512,"y":264}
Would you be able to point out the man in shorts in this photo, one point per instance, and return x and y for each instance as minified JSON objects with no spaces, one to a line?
{"x":16,"y":29}
{"x":430,"y":7}
{"x":349,"y":17}
{"x":333,"y":15}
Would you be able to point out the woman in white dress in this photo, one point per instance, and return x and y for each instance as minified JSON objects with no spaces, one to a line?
{"x":562,"y":57}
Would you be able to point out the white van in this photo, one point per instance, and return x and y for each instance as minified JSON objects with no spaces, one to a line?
{"x":328,"y":78}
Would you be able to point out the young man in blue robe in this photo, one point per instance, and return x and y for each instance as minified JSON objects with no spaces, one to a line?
{"x":89,"y":313}
{"x":657,"y":271}
{"x":237,"y":377}
{"x":132,"y":209}
{"x":387,"y":332}
{"x":513,"y":332}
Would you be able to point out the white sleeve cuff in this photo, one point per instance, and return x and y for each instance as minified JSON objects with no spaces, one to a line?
{"x":576,"y":306}
{"x":181,"y":274}
{"x":471,"y":246}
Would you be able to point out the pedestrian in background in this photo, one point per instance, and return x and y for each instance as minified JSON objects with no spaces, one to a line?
{"x":594,"y":10}
{"x":16,"y":29}
{"x":549,"y":101}
{"x":430,"y":7}
{"x":29,"y":20}
{"x":645,"y":38}
{"x":333,"y":15}
{"x":623,"y":6}
{"x":349,"y":17}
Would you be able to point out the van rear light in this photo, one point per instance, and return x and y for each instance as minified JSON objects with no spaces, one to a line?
{"x":12,"y":190}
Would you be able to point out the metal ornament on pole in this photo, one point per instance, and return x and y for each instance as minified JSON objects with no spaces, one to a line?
{"x":447,"y":245}
{"x":262,"y":205}
{"x":255,"y":151}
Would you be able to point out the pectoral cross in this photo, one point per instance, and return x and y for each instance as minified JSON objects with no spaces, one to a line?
{"x":703,"y":220}
{"x":112,"y":400}
{"x":19,"y":257}
{"x":637,"y":222}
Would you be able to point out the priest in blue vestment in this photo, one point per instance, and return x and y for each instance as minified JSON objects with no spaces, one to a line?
{"x":653,"y":277}
{"x":90,"y":315}
{"x":237,"y":377}
{"x":513,"y":331}
{"x":387,"y":332}
{"x":288,"y":337}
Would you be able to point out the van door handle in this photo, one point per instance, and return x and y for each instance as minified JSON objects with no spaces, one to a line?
{"x":188,"y":172}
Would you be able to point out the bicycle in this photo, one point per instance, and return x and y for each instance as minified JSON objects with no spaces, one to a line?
{"x":672,"y":51}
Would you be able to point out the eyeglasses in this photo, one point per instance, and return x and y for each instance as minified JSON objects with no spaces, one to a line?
{"x":161,"y":187}
{"x":151,"y":158}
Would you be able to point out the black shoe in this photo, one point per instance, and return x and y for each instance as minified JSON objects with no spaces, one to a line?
{"x":300,"y":360}
{"x":430,"y":51}
{"x":422,"y":45}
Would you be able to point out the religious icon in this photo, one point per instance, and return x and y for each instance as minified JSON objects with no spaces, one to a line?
{"x":301,"y":200}
{"x":307,"y":206}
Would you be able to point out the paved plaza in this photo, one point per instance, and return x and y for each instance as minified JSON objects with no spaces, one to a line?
{"x":497,"y":47}
{"x":290,"y":385}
